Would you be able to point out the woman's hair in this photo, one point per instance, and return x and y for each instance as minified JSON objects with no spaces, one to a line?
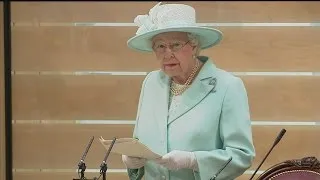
{"x":194,"y":41}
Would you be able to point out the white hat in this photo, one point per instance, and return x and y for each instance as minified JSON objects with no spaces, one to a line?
{"x":169,"y":18}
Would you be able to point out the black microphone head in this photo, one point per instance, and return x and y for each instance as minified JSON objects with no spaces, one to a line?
{"x":282,"y":132}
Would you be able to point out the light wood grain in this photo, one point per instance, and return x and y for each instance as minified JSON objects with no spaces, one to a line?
{"x":105,"y":49}
{"x":47,"y":146}
{"x":62,"y":146}
{"x":116,"y":97}
{"x":75,"y":97}
{"x":221,"y":11}
{"x":283,"y":98}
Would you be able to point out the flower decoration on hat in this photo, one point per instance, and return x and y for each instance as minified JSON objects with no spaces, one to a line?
{"x":168,"y":18}
{"x":149,"y":22}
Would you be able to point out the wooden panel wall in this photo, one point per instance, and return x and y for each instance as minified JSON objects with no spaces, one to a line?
{"x":2,"y":116}
{"x":49,"y":101}
{"x":206,"y":11}
{"x":64,"y":143}
{"x":61,"y":48}
{"x":68,"y":176}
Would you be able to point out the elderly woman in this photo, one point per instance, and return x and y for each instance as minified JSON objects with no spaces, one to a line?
{"x":191,"y":112}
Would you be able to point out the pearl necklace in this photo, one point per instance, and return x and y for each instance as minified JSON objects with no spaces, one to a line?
{"x":177,"y":89}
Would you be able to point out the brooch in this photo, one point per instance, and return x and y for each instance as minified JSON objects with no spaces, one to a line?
{"x":213,"y":82}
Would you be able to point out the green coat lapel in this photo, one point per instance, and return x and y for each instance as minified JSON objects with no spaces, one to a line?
{"x":202,"y":85}
{"x":161,"y":99}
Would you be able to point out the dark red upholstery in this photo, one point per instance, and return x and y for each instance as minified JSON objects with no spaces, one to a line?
{"x":307,"y":168}
{"x":297,"y":175}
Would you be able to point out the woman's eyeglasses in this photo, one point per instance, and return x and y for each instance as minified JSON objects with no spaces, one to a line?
{"x":174,"y":47}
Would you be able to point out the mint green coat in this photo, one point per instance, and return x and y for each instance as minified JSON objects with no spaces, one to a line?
{"x":214,"y":122}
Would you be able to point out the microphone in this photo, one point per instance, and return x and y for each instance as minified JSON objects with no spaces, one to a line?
{"x":282,"y":132}
{"x":216,"y":175}
{"x":103,"y":166}
{"x":82,"y":165}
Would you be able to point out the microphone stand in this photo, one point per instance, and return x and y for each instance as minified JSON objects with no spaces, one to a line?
{"x":104,"y":166}
{"x":82,"y":165}
{"x":279,"y":137}
{"x":216,"y":175}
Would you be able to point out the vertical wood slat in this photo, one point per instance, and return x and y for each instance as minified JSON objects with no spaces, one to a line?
{"x":2,"y":122}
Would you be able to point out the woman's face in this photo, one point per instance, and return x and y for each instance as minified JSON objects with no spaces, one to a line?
{"x":174,"y":53}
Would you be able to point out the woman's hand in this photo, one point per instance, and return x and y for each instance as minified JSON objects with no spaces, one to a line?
{"x":176,"y":160}
{"x":133,"y":162}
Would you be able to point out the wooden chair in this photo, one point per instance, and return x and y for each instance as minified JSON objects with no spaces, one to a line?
{"x":307,"y":168}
